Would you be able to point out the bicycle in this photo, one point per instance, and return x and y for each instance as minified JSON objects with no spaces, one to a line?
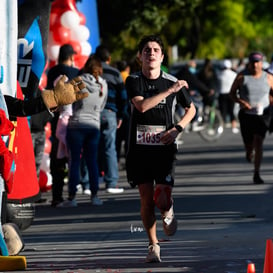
{"x":213,"y":124}
{"x":209,"y":123}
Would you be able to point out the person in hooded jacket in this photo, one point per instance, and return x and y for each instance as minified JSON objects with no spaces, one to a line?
{"x":83,"y":132}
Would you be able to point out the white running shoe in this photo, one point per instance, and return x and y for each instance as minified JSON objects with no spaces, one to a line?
{"x":115,"y":190}
{"x":79,"y":189}
{"x":169,"y":222}
{"x":153,"y":254}
{"x":87,"y":192}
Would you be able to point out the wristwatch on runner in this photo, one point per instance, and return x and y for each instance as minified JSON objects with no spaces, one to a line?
{"x":179,"y":128}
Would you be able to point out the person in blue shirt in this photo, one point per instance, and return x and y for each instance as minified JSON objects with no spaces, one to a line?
{"x":111,"y":120}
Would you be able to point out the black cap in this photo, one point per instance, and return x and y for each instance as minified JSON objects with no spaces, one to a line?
{"x":255,"y":57}
{"x":66,"y":51}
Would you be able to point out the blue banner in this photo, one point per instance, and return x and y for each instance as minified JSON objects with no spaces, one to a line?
{"x":89,"y":9}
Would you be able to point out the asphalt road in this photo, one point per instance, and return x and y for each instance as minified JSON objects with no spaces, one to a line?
{"x":224,"y":219}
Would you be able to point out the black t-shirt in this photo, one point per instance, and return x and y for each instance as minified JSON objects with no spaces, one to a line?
{"x":162,"y":115}
{"x":52,"y":75}
{"x":60,"y":69}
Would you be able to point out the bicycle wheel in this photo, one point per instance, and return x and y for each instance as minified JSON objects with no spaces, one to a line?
{"x":213,"y":125}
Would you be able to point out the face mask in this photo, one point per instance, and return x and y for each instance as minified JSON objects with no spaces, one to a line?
{"x":192,"y":70}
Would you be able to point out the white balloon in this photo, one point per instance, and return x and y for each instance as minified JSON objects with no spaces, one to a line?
{"x":45,"y":164}
{"x":80,"y":33}
{"x":70,"y":19}
{"x":53,"y":52}
{"x":86,"y":49}
{"x":49,"y":179}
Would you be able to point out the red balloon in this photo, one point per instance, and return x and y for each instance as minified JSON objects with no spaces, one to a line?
{"x":48,"y":130}
{"x":80,"y":60}
{"x":51,"y":63}
{"x":82,"y":18}
{"x":64,"y":5}
{"x":53,"y":19}
{"x":47,"y":146}
{"x":62,"y":35}
{"x":43,"y":179}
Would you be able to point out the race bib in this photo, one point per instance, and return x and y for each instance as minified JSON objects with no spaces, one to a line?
{"x":149,"y":134}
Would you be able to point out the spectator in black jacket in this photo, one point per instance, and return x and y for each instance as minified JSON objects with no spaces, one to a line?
{"x":195,"y":83}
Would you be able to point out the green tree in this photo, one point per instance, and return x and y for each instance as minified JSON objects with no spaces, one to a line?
{"x":200,"y":28}
{"x":134,"y":19}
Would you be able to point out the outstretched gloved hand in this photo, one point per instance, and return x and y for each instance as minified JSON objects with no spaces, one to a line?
{"x":64,"y":92}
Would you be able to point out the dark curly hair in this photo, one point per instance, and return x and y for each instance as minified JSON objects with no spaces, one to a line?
{"x":150,"y":38}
